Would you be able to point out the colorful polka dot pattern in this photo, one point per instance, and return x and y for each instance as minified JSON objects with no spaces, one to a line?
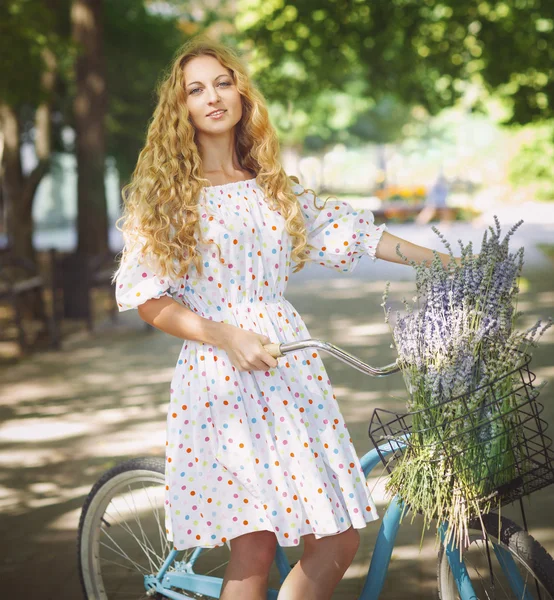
{"x":339,"y":235}
{"x":252,"y":451}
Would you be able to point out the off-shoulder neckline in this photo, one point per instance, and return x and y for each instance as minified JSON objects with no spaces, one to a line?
{"x":224,"y":185}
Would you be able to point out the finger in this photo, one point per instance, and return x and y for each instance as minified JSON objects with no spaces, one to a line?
{"x":247,"y":365}
{"x":254,"y":361}
{"x":269,"y":360}
{"x":257,"y":365}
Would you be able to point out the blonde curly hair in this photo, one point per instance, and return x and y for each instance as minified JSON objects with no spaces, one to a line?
{"x":160,"y":213}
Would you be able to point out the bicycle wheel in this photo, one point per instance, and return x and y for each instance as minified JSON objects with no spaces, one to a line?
{"x":122,"y":535}
{"x":533,"y":563}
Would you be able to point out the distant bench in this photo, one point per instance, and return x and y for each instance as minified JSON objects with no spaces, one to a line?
{"x":71,"y":283}
{"x":19,"y":279}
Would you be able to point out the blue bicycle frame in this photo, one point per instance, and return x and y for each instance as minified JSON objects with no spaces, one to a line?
{"x":183,"y":576}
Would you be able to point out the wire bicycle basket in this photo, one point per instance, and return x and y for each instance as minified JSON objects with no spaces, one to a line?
{"x":493,"y":436}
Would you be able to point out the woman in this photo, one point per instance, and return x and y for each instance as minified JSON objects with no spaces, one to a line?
{"x":257,"y":451}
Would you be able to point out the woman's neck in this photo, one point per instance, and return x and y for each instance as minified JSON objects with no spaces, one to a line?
{"x":218,"y":154}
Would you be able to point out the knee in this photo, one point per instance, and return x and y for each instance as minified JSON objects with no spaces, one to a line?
{"x":256,"y":550}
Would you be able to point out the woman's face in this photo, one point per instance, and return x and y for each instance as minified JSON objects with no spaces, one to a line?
{"x":213,"y":100}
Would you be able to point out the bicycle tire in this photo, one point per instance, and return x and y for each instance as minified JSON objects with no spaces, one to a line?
{"x":98,"y":514}
{"x":533,"y":559}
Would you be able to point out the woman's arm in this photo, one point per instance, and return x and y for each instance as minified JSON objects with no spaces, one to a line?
{"x":386,"y":250}
{"x":245,"y":348}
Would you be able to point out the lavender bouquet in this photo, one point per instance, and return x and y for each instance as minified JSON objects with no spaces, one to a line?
{"x":459,"y":355}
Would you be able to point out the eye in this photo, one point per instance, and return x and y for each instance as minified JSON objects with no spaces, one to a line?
{"x":193,"y":90}
{"x":225,"y":83}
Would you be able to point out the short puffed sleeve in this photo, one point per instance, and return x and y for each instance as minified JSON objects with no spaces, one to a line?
{"x":137,"y":280}
{"x":338,"y":235}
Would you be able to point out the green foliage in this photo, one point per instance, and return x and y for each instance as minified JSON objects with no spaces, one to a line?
{"x":27,"y":28}
{"x":548,"y":249}
{"x":517,"y":37}
{"x":384,"y":122}
{"x":423,"y":52}
{"x":331,"y":43}
{"x":332,"y":71}
{"x":325,"y":120}
{"x":139,"y":46}
{"x":533,"y":166}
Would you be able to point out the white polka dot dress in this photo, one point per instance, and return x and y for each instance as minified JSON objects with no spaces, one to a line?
{"x":253,"y":451}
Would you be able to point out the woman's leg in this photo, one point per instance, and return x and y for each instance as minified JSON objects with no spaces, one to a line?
{"x":323,"y":563}
{"x":246,"y":576}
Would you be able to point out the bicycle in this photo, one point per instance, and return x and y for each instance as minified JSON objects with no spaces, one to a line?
{"x":123,"y":550}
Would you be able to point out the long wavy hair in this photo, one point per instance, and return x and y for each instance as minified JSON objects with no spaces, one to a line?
{"x":160,"y":213}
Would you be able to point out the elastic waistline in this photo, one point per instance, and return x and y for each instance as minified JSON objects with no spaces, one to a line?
{"x":242,"y":305}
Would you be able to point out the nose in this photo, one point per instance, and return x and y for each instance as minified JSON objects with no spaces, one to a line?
{"x":213,"y":95}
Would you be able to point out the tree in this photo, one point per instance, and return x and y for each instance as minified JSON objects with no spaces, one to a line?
{"x":30,"y":45}
{"x":139,"y":45}
{"x":90,"y":107}
{"x":44,"y":73}
{"x":424,"y":52}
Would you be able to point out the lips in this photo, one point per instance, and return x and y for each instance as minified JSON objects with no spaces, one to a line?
{"x":216,"y":112}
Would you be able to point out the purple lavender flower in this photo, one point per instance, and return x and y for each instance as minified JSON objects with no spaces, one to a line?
{"x":456,"y":339}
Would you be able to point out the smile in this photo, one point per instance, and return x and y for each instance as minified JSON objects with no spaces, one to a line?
{"x":217,"y":114}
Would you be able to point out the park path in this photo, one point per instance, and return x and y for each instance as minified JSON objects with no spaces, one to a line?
{"x":67,"y":416}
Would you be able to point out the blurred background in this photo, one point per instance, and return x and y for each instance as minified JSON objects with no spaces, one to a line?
{"x":425,"y":112}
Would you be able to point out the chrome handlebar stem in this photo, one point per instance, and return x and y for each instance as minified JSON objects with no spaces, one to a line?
{"x":337,"y":352}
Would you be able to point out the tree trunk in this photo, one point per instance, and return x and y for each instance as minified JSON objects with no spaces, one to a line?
{"x":90,"y":113}
{"x":3,"y":227}
{"x":19,"y":192}
{"x":19,"y":189}
{"x":12,"y":180}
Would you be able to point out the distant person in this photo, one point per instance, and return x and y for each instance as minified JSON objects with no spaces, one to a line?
{"x":435,"y":200}
{"x":439,"y":192}
{"x":257,"y":450}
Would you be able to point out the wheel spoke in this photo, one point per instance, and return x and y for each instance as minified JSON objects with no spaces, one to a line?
{"x":223,"y":564}
{"x":127,"y":594}
{"x":123,"y":554}
{"x":483,"y":579}
{"x":144,"y":545}
{"x":128,"y":529}
{"x":494,"y":577}
{"x":117,"y":564}
{"x":161,"y":528}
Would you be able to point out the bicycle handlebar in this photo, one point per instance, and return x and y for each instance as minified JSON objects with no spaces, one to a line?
{"x":278,"y":350}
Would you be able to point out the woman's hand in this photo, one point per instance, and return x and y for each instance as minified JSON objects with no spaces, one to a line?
{"x":245,"y":348}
